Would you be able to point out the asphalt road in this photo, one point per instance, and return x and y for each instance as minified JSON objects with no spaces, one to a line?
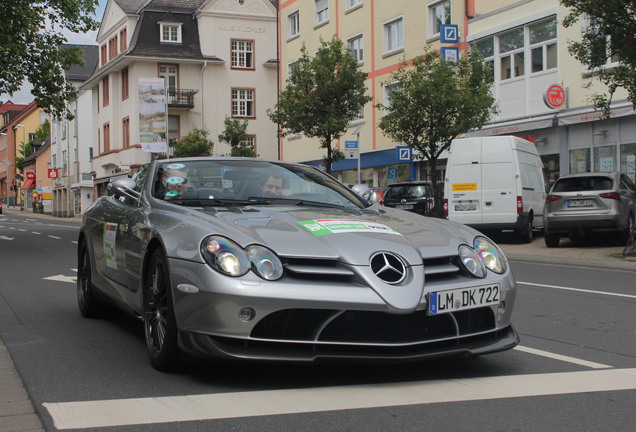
{"x":574,"y":370}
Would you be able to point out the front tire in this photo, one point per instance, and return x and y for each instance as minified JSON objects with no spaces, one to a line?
{"x":160,"y":325}
{"x":88,"y":304}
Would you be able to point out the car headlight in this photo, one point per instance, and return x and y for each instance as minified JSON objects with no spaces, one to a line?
{"x":471,"y":261}
{"x":225,"y":256}
{"x":490,"y":255}
{"x":264,"y":262}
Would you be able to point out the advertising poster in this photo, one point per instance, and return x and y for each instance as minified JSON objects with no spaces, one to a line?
{"x":152,"y":115}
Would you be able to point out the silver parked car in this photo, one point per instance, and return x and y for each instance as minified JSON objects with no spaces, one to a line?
{"x":250,"y":259}
{"x":578,"y":203}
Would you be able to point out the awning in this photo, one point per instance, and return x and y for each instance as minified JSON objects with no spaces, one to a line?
{"x":515,"y":126}
{"x":28,"y":184}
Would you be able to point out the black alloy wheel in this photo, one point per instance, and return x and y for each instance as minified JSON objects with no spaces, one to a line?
{"x":88,"y":304}
{"x":159,"y":320}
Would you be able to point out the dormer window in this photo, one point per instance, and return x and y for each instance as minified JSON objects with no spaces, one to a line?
{"x":170,"y":32}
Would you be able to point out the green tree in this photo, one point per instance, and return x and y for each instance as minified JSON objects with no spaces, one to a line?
{"x":608,"y":29}
{"x":235,"y":134}
{"x":196,"y":143}
{"x":30,"y":47}
{"x":42,"y":133}
{"x":435,"y":101}
{"x":322,"y":96}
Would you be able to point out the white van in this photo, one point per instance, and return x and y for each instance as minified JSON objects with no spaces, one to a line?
{"x":495,"y":183}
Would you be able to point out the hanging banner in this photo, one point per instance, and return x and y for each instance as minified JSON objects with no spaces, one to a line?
{"x":152,"y":115}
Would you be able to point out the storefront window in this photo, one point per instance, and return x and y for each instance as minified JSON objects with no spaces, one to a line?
{"x":551,"y":168}
{"x":605,"y":159}
{"x":580,"y":160}
{"x":628,"y":160}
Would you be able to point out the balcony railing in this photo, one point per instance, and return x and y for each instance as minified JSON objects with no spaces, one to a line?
{"x":183,"y":98}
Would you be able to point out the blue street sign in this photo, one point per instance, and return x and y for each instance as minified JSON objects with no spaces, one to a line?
{"x":351,"y":144}
{"x":449,"y":33}
{"x":403,"y":153}
{"x":392,"y":173}
{"x":450,"y":54}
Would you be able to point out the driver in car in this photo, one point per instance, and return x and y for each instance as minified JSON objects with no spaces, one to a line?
{"x":272,"y":185}
{"x":175,"y":181}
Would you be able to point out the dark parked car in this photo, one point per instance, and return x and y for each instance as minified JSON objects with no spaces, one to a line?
{"x":252,"y":259}
{"x":583,"y":202}
{"x":412,"y":196}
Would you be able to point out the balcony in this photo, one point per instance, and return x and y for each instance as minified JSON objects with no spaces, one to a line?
{"x":183,"y":98}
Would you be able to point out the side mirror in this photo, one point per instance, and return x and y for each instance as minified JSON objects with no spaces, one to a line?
{"x":123,"y":187}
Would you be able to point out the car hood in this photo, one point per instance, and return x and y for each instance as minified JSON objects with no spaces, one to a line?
{"x":350,"y":236}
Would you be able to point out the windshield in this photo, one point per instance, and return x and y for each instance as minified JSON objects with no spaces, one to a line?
{"x":248,"y":182}
{"x":408,"y":191}
{"x":575,"y":184}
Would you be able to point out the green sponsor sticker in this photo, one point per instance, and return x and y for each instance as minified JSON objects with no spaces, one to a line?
{"x":338,"y":226}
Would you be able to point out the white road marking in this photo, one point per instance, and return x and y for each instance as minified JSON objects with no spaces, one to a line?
{"x":6,"y":238}
{"x":20,"y":229}
{"x":36,"y":233}
{"x":74,"y":241}
{"x":127,"y":412}
{"x":62,"y":278}
{"x":55,"y":237}
{"x":562,"y":357}
{"x":578,"y":290}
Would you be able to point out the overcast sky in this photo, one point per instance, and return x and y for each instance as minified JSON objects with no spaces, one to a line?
{"x":24,"y":96}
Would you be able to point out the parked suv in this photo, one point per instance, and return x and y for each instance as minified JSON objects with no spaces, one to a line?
{"x":413,"y":196}
{"x":578,"y":203}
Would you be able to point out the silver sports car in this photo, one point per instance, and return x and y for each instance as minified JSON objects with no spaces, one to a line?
{"x":251,"y":259}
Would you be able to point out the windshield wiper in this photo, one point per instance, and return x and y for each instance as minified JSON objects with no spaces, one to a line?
{"x":294,"y":201}
{"x":199,"y":202}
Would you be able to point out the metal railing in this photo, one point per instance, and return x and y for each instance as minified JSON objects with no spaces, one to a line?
{"x":182,"y":98}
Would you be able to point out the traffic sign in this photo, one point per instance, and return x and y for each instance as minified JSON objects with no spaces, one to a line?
{"x":449,"y":33}
{"x":450,"y":54}
{"x":392,"y":173}
{"x":351,"y":150}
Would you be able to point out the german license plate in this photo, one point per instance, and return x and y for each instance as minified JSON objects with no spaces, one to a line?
{"x":581,"y":203}
{"x":404,"y":206}
{"x":466,"y":207}
{"x":440,"y":302}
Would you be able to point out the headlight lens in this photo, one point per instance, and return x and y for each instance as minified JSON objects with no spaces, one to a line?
{"x":264,"y":262}
{"x":229,"y":258}
{"x":225,"y":256}
{"x":471,"y":261}
{"x":490,"y":255}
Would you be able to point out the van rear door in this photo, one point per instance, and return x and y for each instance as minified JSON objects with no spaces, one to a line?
{"x":463,"y":188}
{"x":499,"y":182}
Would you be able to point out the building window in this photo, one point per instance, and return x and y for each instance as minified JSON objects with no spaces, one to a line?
{"x":394,"y":36}
{"x":250,"y":141}
{"x":112,"y":48}
{"x":125,"y":128}
{"x":106,"y":137}
{"x":508,"y":52}
{"x":242,"y":54}
{"x":439,"y":13}
{"x":322,"y":11}
{"x":243,"y":103}
{"x":389,"y":89}
{"x":543,"y":45}
{"x":356,"y":45}
{"x":123,"y":40}
{"x":106,"y":91}
{"x":172,"y":73}
{"x":124,"y":84}
{"x":170,"y":32}
{"x":104,"y":54}
{"x":293,"y":24}
{"x":351,"y":4}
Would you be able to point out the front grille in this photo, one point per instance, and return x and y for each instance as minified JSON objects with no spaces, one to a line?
{"x":371,"y":328}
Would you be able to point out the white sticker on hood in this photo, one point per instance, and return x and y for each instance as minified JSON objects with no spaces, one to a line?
{"x":336,"y":226}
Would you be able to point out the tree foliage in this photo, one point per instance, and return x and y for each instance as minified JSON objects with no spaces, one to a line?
{"x":435,"y":101}
{"x":235,"y":134}
{"x":196,"y":143}
{"x":322,"y":96}
{"x":30,"y":48}
{"x":608,"y":33}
